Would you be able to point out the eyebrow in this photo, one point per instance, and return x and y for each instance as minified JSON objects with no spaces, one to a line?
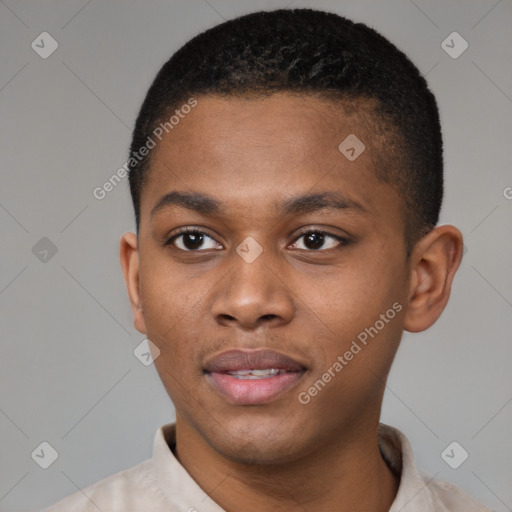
{"x":192,"y":201}
{"x":309,"y":203}
{"x":298,"y":205}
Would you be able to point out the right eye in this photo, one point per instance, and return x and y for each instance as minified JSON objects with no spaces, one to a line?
{"x":191,"y":240}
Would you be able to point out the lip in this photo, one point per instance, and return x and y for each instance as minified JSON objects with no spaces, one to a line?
{"x":255,"y":391}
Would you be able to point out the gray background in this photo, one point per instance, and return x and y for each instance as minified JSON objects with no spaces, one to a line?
{"x":68,"y":374}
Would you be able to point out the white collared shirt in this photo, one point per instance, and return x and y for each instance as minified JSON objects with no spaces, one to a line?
{"x":162,"y":484}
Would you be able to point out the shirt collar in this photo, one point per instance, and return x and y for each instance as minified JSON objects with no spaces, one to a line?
{"x":180,"y":488}
{"x":413,"y":492}
{"x":173,"y":479}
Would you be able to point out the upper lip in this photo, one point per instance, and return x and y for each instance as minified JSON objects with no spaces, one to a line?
{"x":234,"y":360}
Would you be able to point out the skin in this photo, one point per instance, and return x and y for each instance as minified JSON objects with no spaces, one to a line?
{"x":307,"y":303}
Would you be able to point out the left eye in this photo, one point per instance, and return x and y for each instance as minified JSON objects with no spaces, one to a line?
{"x":315,"y":240}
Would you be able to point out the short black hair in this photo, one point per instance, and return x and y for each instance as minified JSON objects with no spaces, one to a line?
{"x":311,"y":52}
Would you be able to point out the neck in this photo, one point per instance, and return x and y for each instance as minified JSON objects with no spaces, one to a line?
{"x":344,"y":475}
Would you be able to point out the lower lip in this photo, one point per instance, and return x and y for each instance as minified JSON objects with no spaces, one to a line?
{"x":253,"y":391}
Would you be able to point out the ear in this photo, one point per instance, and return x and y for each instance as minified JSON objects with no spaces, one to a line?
{"x":129,"y":255}
{"x":434,"y":261}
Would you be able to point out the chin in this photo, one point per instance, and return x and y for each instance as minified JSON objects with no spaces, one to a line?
{"x":259,"y":453}
{"x":263,"y":442}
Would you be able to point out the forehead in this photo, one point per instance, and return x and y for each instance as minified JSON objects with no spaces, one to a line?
{"x":257,"y":150}
{"x":300,"y":125}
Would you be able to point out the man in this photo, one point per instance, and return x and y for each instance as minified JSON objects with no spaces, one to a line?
{"x":286,"y":173}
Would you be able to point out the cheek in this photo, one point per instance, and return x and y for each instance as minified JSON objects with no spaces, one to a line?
{"x":353,"y":296}
{"x":170,"y":315}
{"x":166,"y":295}
{"x":362,"y":306}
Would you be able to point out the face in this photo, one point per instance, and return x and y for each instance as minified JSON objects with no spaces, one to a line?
{"x":292,"y":248}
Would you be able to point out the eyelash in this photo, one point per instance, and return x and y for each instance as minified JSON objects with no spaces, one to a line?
{"x":342,"y":240}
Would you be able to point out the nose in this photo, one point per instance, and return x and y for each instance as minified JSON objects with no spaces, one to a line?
{"x":253,"y":294}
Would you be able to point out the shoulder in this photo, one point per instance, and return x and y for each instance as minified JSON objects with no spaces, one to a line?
{"x":417,"y":491}
{"x":131,"y":489}
{"x":449,"y":497}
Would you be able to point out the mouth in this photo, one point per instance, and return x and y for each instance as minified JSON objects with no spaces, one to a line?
{"x":252,"y":377}
{"x":256,"y":374}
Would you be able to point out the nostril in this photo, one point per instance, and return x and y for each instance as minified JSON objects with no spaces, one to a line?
{"x":228,"y":317}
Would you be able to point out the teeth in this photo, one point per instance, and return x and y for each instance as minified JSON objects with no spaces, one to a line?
{"x":255,"y":374}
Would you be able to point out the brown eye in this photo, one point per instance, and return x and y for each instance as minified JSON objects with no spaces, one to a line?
{"x":192,"y":240}
{"x":318,"y":240}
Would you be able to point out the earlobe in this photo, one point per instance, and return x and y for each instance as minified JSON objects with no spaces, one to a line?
{"x":129,"y":255}
{"x":434,"y":262}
